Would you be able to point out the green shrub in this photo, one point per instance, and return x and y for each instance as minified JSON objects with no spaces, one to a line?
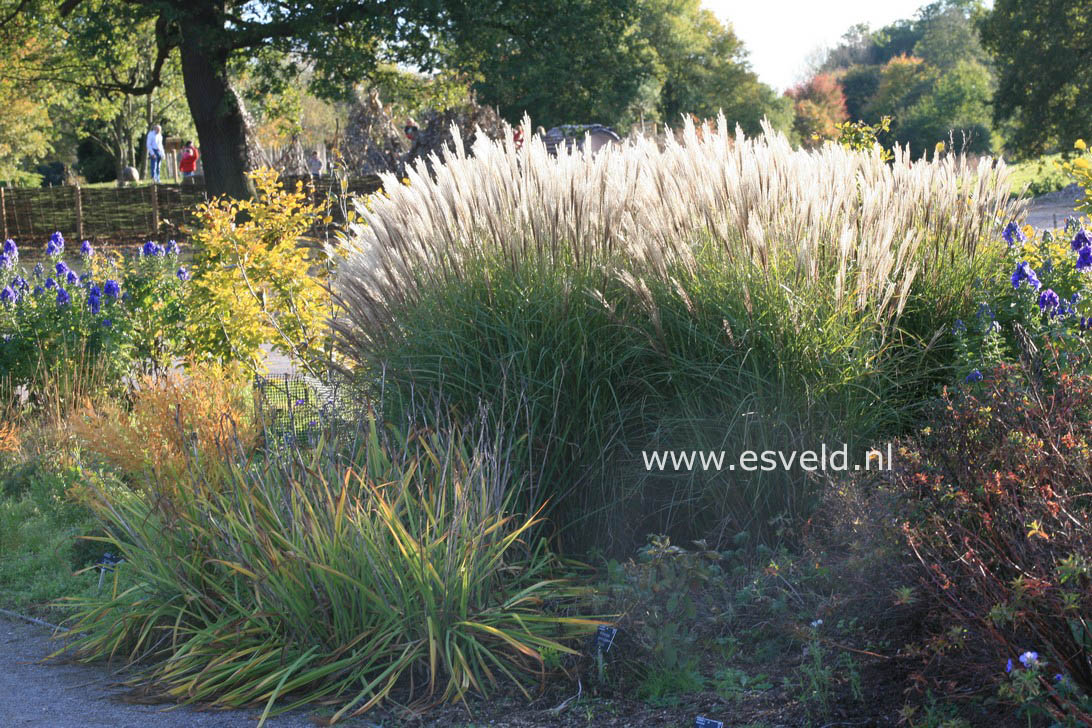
{"x":390,"y":570}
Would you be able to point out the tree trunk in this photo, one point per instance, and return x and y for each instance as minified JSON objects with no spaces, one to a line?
{"x":218,"y":113}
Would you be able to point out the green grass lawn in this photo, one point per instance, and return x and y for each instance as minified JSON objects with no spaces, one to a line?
{"x":1039,"y":175}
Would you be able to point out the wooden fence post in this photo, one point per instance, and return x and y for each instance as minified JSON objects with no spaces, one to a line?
{"x":155,"y":209}
{"x":79,"y":212}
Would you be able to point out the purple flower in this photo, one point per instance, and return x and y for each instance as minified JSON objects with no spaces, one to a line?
{"x":1023,"y":273}
{"x":94,"y":290}
{"x":1008,"y":666}
{"x":62,"y":297}
{"x":1086,"y":322}
{"x":107,"y":323}
{"x":6,"y":262}
{"x":1013,"y":234}
{"x":72,"y":278}
{"x":38,"y":290}
{"x":86,"y":250}
{"x":1084,"y":258}
{"x":1081,"y":239}
{"x":94,"y":303}
{"x":151,"y":248}
{"x":55,"y":246}
{"x":183,"y":274}
{"x":1048,"y":300}
{"x":50,"y":283}
{"x":1058,"y":677}
{"x":111,"y":288}
{"x":8,"y":295}
{"x":11,"y":249}
{"x":61,"y":268}
{"x":172,"y":247}
{"x":38,"y":270}
{"x":974,"y":376}
{"x":1029,"y":659}
{"x":20,"y":283}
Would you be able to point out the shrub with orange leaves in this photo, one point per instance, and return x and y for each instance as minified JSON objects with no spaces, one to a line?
{"x":170,"y":422}
{"x":999,"y":515}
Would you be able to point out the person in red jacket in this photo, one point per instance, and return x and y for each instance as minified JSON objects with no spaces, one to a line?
{"x":187,"y":164}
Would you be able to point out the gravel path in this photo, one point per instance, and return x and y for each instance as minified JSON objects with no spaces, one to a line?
{"x":66,"y":695}
{"x":1051,"y":210}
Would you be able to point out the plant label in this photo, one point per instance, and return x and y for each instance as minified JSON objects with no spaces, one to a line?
{"x":604,"y":637}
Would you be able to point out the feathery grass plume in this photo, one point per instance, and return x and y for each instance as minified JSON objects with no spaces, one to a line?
{"x":767,"y":296}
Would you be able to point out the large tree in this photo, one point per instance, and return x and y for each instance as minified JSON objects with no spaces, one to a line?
{"x":1043,"y":53}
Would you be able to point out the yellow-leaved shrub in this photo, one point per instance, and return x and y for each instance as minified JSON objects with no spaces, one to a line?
{"x":255,"y":280}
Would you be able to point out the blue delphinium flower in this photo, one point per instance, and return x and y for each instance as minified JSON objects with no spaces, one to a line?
{"x":6,"y":261}
{"x":1071,"y":223}
{"x":55,"y":246}
{"x":1075,"y":298}
{"x":1084,"y":258}
{"x":1013,"y":234}
{"x":8,"y":295}
{"x":62,"y":297}
{"x":20,"y":283}
{"x":72,"y":278}
{"x":151,"y":248}
{"x":984,"y":311}
{"x":94,"y":303}
{"x":38,"y":270}
{"x":11,"y":249}
{"x":1029,"y":659}
{"x":1086,"y":322}
{"x":172,"y":247}
{"x":94,"y":290}
{"x":1081,"y":239}
{"x":183,"y":274}
{"x":1024,"y":272}
{"x":974,"y":376}
{"x":38,"y":290}
{"x":61,"y":268}
{"x":1008,"y":665}
{"x":1058,"y":677}
{"x":111,"y":288}
{"x":50,"y":283}
{"x":107,"y":323}
{"x":1048,"y":300}
{"x":959,"y":327}
{"x":86,"y":250}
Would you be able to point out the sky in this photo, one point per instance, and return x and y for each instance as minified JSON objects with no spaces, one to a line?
{"x":781,"y":34}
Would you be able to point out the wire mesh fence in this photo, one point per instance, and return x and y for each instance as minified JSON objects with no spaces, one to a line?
{"x":297,"y":409}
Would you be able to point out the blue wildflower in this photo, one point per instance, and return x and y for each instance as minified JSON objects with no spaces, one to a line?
{"x":151,"y":248}
{"x":984,"y":311}
{"x":1081,"y":239}
{"x":38,"y":270}
{"x":55,"y":246}
{"x":1075,"y":298}
{"x":50,"y":283}
{"x":94,"y":303}
{"x":94,"y":290}
{"x":6,"y":262}
{"x":959,"y":327}
{"x":38,"y":290}
{"x":1071,"y":223}
{"x":20,"y":283}
{"x":62,"y":297}
{"x":72,"y":278}
{"x":111,"y":288}
{"x":183,"y":274}
{"x":1084,"y":258}
{"x":8,"y":295}
{"x":1048,"y":300}
{"x":1008,"y":665}
{"x":1013,"y":234}
{"x":1029,"y":659}
{"x":1086,"y":322}
{"x":974,"y":376}
{"x":1024,"y":272}
{"x":86,"y":250}
{"x":1058,"y":677}
{"x":107,"y":323}
{"x":172,"y":247}
{"x":61,"y":268}
{"x":11,"y":249}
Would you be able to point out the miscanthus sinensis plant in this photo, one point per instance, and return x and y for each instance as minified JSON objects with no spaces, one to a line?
{"x":871,"y":227}
{"x":716,"y":292}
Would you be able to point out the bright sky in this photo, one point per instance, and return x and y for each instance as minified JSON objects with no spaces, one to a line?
{"x":781,"y":34}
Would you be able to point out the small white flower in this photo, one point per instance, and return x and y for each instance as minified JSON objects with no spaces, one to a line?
{"x":817,"y":624}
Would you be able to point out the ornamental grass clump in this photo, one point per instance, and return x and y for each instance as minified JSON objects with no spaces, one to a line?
{"x":721,"y":293}
{"x":388,"y":570}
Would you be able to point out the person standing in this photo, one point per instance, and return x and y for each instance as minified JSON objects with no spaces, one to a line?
{"x":315,"y":164}
{"x":187,"y":163}
{"x":156,"y":153}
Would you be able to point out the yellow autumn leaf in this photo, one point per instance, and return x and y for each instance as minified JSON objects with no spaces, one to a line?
{"x":1079,"y":144}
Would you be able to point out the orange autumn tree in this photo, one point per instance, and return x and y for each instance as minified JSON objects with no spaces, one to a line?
{"x":820,"y":106}
{"x":24,"y":119}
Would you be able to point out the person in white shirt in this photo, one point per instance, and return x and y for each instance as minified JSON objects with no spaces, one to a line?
{"x":156,"y":152}
{"x":315,"y":164}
